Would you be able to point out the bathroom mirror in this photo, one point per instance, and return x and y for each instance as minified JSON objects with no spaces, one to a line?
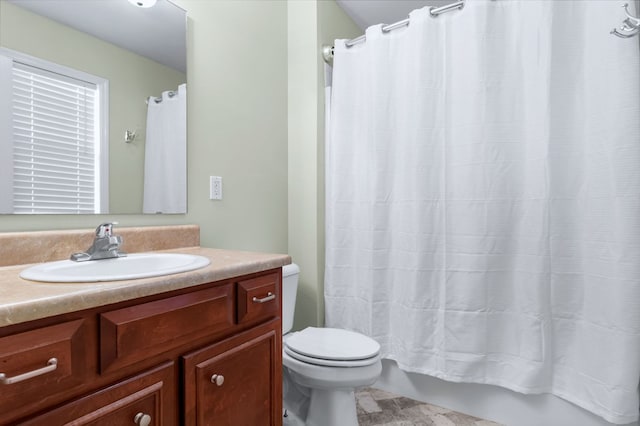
{"x":139,"y":51}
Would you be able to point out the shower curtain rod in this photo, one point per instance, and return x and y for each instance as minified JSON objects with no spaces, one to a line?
{"x":158,"y":100}
{"x":327,"y":51}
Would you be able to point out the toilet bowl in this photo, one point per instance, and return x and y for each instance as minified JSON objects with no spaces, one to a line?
{"x":322,"y":367}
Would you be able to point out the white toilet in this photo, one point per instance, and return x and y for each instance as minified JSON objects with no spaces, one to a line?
{"x":323,"y":366}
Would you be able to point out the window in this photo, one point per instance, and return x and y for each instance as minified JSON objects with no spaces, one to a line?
{"x":56,"y":133}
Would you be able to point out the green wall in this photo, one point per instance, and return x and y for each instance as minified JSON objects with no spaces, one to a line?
{"x":237,"y":73}
{"x":132,"y":78}
{"x":311,"y":24}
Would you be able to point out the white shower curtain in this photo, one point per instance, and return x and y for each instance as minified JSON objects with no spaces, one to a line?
{"x":483,"y":199}
{"x":165,"y":160}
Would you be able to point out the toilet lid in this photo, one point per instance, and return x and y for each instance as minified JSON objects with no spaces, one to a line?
{"x":332,"y":344}
{"x":329,"y":362}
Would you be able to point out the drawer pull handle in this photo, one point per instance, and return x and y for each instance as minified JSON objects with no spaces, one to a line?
{"x":217,"y":379}
{"x":142,"y":419}
{"x":270,"y":296}
{"x":52,"y":364}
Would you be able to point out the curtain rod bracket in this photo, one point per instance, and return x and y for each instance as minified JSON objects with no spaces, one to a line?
{"x":327,"y":54}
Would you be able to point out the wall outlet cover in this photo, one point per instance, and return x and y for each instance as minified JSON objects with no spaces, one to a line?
{"x":215,"y":188}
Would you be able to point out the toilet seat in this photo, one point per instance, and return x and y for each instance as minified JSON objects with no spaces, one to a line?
{"x":332,"y":347}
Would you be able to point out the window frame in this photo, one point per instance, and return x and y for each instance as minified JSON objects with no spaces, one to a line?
{"x":6,"y":126}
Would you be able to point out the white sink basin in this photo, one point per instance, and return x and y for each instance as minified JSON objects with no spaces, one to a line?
{"x":138,"y":265}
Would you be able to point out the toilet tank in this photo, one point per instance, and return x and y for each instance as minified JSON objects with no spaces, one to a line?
{"x":289,"y":290}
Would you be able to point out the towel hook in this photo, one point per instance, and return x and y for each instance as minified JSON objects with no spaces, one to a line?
{"x":630,"y":26}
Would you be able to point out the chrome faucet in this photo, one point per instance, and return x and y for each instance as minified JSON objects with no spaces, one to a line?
{"x":105,"y":245}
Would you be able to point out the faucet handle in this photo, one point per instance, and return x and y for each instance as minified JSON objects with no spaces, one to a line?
{"x":105,"y":229}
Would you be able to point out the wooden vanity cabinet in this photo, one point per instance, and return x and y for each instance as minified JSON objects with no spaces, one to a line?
{"x":205,"y":355}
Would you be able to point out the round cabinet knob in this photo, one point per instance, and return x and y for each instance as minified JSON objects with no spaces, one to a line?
{"x":142,"y":419}
{"x":218,"y":379}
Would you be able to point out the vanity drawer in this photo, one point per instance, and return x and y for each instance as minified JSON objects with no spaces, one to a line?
{"x":45,"y":361}
{"x":258,"y":298}
{"x":139,"y":332}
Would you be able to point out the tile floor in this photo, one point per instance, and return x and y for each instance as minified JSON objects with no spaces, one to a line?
{"x":379,"y":408}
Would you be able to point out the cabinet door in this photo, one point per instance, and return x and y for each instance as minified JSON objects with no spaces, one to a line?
{"x":146,"y":399}
{"x":237,"y":381}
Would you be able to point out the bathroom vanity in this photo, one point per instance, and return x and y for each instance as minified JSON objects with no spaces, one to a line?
{"x":199,"y":347}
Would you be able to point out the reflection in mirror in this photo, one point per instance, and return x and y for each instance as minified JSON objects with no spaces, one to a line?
{"x":75,"y":77}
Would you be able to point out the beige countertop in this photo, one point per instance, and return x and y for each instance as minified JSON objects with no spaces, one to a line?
{"x":23,"y":300}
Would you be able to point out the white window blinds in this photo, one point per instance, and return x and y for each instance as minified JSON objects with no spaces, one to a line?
{"x":55,"y":142}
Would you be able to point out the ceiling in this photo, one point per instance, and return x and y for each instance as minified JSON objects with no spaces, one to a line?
{"x":371,"y":12}
{"x":158,"y":32}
